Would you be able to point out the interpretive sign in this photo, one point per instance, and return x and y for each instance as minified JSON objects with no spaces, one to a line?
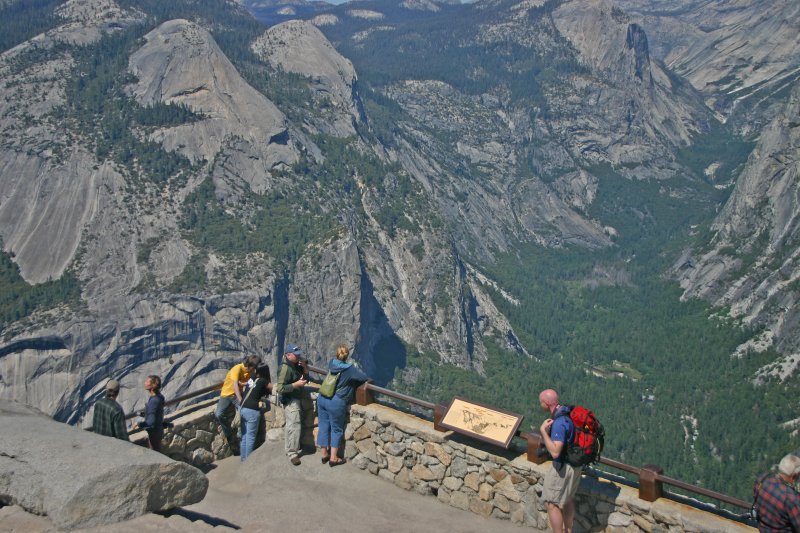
{"x":481,"y":422}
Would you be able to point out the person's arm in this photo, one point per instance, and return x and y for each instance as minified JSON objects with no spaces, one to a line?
{"x":554,"y":447}
{"x":237,"y":387}
{"x":150,"y":411}
{"x":283,"y":376}
{"x":358,"y":375}
{"x":793,"y":510}
{"x":118,"y":422}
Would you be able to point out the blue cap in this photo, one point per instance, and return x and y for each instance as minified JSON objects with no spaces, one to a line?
{"x":295,"y":349}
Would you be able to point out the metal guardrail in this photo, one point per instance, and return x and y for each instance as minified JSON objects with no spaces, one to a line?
{"x":650,"y":477}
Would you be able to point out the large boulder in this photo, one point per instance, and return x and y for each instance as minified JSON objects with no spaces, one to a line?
{"x":80,"y":479}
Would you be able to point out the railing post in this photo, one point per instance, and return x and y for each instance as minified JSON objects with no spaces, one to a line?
{"x":364,"y":396}
{"x":650,"y":488}
{"x":438,"y":414}
{"x":537,"y":453}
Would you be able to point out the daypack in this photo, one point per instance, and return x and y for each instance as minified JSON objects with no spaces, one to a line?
{"x":588,"y":438}
{"x":328,"y":386}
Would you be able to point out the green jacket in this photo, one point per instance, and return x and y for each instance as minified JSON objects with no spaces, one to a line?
{"x":287,"y":375}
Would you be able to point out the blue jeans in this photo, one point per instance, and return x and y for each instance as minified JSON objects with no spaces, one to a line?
{"x":224,"y":416}
{"x":332,"y":414}
{"x":250,"y":419}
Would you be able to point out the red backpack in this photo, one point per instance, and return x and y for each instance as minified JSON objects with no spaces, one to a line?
{"x":588,"y":437}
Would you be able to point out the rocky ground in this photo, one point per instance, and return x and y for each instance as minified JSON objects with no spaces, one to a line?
{"x":269,"y":494}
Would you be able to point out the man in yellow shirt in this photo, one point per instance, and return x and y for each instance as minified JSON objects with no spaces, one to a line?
{"x":231,"y":393}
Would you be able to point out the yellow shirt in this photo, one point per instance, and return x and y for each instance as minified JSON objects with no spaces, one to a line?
{"x":237,"y":373}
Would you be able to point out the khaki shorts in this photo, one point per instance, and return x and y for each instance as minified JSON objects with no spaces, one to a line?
{"x":561,"y":485}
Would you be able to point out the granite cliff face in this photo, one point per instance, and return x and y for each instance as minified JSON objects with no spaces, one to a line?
{"x":738,"y":54}
{"x":64,"y":207}
{"x":751,"y":260}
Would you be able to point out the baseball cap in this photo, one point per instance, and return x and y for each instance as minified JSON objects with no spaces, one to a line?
{"x":295,"y":349}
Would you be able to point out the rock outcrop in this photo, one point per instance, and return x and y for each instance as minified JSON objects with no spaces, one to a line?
{"x":752,"y":259}
{"x":181,"y":64}
{"x":80,"y":479}
{"x":299,"y":47}
{"x":728,"y":50}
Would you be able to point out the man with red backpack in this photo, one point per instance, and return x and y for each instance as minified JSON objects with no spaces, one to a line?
{"x":561,"y":481}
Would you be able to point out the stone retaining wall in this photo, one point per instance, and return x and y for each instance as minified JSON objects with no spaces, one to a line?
{"x":195,"y":437}
{"x":407,"y":451}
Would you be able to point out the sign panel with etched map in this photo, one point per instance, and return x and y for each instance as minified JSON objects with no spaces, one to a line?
{"x":482,"y":422}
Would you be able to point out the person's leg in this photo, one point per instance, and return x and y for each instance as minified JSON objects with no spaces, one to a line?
{"x":556,"y":519}
{"x":569,"y":515}
{"x":292,"y":430}
{"x":554,"y":495}
{"x":250,"y":424}
{"x":223,"y":417}
{"x":323,"y":428}
{"x":573,"y":481}
{"x":338,"y":414}
{"x":154,"y":439}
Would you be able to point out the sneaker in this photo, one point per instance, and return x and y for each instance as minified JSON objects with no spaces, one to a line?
{"x":295,"y":460}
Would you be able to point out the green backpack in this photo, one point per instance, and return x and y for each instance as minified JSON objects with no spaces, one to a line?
{"x":328,"y":386}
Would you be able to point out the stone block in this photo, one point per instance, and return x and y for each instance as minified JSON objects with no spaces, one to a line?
{"x":477,"y":454}
{"x":395,"y":448}
{"x":502,"y":503}
{"x":452,"y":483}
{"x":423,"y":488}
{"x":206,"y":437}
{"x":639,"y":506}
{"x":394,"y":463}
{"x":350,"y":452}
{"x":417,"y":447}
{"x":403,"y":479}
{"x":480,"y":507}
{"x":361,"y":462}
{"x":368,"y":449}
{"x":362,"y":433}
{"x":472,"y":481}
{"x":387,"y":475}
{"x":459,"y":500}
{"x":372,"y":468}
{"x":618,"y":519}
{"x":500,"y":515}
{"x":643,"y":523}
{"x":458,"y":467}
{"x":498,"y":475}
{"x":665,"y":514}
{"x":201,"y":457}
{"x":437,"y":450}
{"x":438,"y":471}
{"x":517,"y":513}
{"x":422,"y":473}
{"x":443,"y":495}
{"x":507,"y":489}
{"x":485,"y":491}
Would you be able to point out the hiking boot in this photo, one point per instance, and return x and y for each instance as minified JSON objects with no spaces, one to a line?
{"x":295,"y":460}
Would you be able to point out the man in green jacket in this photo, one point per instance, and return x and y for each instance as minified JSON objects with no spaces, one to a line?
{"x":108,"y":418}
{"x":292,"y":377}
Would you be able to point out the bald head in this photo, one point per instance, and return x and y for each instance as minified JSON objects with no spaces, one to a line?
{"x":548,"y":399}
